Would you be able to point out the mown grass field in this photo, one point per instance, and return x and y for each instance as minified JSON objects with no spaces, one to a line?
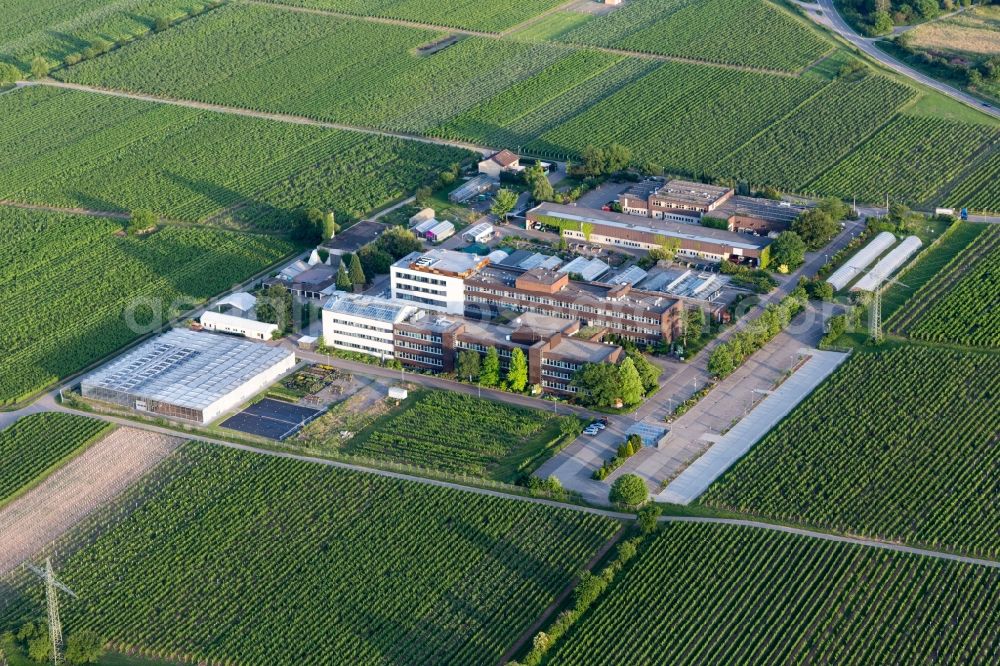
{"x":460,"y":434}
{"x":899,"y":444}
{"x":720,"y":594}
{"x":959,"y":304}
{"x":277,"y":559}
{"x":81,"y":150}
{"x":35,"y":444}
{"x":72,"y":289}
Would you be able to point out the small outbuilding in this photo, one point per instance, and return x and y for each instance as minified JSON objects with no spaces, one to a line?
{"x":440,"y":232}
{"x":479,"y":233}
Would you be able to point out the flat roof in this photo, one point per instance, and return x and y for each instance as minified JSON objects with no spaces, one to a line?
{"x":586,"y":291}
{"x":370,"y":307}
{"x":186,"y":368}
{"x":765,"y":209}
{"x":678,"y":230}
{"x":220,"y":319}
{"x":355,"y":237}
{"x":441,"y":261}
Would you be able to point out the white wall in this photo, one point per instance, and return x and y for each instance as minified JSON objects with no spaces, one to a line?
{"x":249,"y":389}
{"x":444,"y":294}
{"x":355,"y":333}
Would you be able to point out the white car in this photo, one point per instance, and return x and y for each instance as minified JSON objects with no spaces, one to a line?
{"x":591,"y":430}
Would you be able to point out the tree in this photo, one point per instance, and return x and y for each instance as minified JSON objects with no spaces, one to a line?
{"x":541,"y":188}
{"x":356,"y":271}
{"x":631,"y":383}
{"x":9,"y":73}
{"x":927,"y":9}
{"x":820,"y":290}
{"x":815,"y":227}
{"x":503,"y":203}
{"x":161,"y":23}
{"x":139,"y":220}
{"x":618,"y":158}
{"x":330,"y":227}
{"x":517,"y":371}
{"x":467,"y":365}
{"x":374,"y":260}
{"x":489,"y":375}
{"x":599,"y":384}
{"x":648,"y":518}
{"x":423,"y":195}
{"x":40,"y":648}
{"x":343,"y":279}
{"x":629,"y":490}
{"x":274,"y":306}
{"x":84,"y":647}
{"x":398,"y":242}
{"x":668,"y":248}
{"x":306,"y":226}
{"x":721,"y":362}
{"x":39,"y":67}
{"x":594,"y":160}
{"x":788,"y":249}
{"x":834,"y":207}
{"x":101,"y":46}
{"x":883,"y":24}
{"x":648,"y":372}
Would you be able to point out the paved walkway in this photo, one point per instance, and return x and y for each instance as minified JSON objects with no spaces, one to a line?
{"x":732,"y":446}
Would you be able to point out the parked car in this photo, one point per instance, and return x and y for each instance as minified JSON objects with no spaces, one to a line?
{"x":598,"y":425}
{"x":591,"y":430}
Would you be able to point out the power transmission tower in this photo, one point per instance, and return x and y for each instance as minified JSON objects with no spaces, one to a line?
{"x":52,"y":588}
{"x":875,"y":315}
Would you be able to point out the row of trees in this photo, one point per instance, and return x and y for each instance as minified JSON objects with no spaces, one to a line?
{"x":486,"y":370}
{"x":728,"y":356}
{"x":608,"y":385}
{"x":82,"y":647}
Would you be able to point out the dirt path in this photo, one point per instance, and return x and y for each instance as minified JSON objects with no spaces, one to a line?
{"x":70,"y":211}
{"x":89,"y":481}
{"x":262,"y":115}
{"x":501,"y":35}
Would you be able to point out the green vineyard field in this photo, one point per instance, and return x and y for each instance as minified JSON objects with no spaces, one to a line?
{"x":767,"y":37}
{"x":56,"y":28}
{"x":36,"y":443}
{"x":898,"y":444}
{"x":459,"y":434}
{"x":709,"y":112}
{"x":82,"y":150}
{"x":824,"y":130}
{"x":349,"y":71}
{"x":721,"y":594}
{"x":909,"y":159}
{"x":71,"y":288}
{"x":960,"y":304}
{"x":274,"y":557}
{"x":482,"y":15}
{"x":980,"y":190}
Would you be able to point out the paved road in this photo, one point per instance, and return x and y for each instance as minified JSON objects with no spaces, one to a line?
{"x":832,"y":20}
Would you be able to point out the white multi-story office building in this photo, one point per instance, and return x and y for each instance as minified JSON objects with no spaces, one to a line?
{"x":435,"y":280}
{"x":362,"y":323}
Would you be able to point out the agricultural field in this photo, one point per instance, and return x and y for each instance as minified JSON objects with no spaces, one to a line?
{"x":460,"y":434}
{"x":81,"y":150}
{"x":909,"y":159}
{"x":960,"y":304}
{"x":926,"y":265}
{"x":482,"y":15}
{"x":821,"y":132}
{"x":343,"y":70}
{"x":710,"y":112}
{"x":54,"y":29}
{"x":980,"y":189}
{"x":897,"y":444}
{"x":528,"y":108}
{"x":36,"y":444}
{"x":273,"y":556}
{"x":74,"y":289}
{"x":767,"y":38}
{"x":723,"y":594}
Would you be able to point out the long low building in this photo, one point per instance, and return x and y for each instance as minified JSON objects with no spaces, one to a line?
{"x":621,"y":230}
{"x":188,"y":375}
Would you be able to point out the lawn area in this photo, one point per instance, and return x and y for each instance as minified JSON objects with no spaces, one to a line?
{"x":898,"y":444}
{"x":274,"y":560}
{"x":723,"y":594}
{"x":460,"y":434}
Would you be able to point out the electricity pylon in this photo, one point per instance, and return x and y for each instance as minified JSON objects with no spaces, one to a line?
{"x":52,"y":588}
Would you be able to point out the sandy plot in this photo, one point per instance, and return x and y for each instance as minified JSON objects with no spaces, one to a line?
{"x":87,"y":482}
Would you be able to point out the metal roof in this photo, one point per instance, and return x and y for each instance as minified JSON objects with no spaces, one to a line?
{"x":186,"y":368}
{"x":369,"y":307}
{"x":241,"y":300}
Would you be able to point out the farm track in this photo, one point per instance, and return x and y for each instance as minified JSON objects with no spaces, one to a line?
{"x":262,"y":115}
{"x":909,"y":314}
{"x":49,"y":404}
{"x":501,"y":35}
{"x":69,"y":211}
